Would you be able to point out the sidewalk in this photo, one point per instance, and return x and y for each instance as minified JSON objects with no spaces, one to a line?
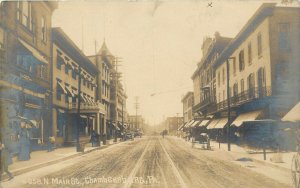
{"x":239,"y":153}
{"x":43,"y":158}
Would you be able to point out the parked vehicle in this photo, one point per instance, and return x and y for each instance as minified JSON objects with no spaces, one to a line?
{"x":129,"y":136}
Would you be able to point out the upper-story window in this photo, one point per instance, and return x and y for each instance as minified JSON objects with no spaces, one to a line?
{"x":249,"y":53}
{"x":223,"y":75}
{"x":259,"y":45}
{"x":242,"y":86}
{"x":59,"y":62}
{"x":284,"y":29}
{"x":44,"y":29}
{"x":74,"y":74}
{"x":24,"y":14}
{"x":241,"y":60}
{"x":234,"y":66}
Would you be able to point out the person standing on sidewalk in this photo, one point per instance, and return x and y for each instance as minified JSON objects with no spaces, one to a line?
{"x":24,"y":139}
{"x":5,"y":161}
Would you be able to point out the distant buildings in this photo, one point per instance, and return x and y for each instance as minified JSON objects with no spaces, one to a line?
{"x":136,"y":122}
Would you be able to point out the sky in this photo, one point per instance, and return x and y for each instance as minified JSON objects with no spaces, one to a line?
{"x":159,"y":42}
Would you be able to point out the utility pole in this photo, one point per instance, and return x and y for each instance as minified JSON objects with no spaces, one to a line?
{"x":78,"y":110}
{"x":137,"y":106}
{"x":228,"y":102}
{"x":116,"y":78}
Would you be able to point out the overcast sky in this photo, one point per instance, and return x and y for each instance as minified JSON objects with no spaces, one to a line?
{"x":159,"y":41}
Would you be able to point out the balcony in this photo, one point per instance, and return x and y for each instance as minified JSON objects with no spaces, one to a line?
{"x":246,"y":96}
{"x":206,"y":106}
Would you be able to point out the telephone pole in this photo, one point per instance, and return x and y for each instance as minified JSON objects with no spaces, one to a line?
{"x":137,"y":106}
{"x":116,"y":75}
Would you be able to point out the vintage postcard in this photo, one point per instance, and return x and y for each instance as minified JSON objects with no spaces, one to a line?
{"x":150,"y":93}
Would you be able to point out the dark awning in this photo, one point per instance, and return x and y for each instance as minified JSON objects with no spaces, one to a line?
{"x":293,"y":115}
{"x":249,"y":116}
{"x":33,"y":51}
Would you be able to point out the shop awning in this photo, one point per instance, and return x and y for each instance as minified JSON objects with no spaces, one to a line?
{"x":189,"y":123}
{"x":221,"y":124}
{"x":69,"y":90}
{"x":115,"y":126}
{"x":293,"y":115}
{"x":33,"y":51}
{"x":60,"y":85}
{"x":212,"y":124}
{"x":181,"y":126}
{"x":249,"y":116}
{"x":204,"y":123}
{"x":195,"y":123}
{"x":83,"y":98}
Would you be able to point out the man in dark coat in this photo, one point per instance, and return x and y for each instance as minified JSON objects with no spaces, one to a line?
{"x":5,"y":160}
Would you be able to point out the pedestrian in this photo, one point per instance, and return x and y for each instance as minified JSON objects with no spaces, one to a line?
{"x":24,"y":140}
{"x":51,"y":142}
{"x":94,"y":138}
{"x":5,"y":161}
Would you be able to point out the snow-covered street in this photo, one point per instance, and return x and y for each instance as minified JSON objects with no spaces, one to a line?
{"x":148,"y":162}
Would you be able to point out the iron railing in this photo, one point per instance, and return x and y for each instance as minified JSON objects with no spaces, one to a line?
{"x":246,"y":96}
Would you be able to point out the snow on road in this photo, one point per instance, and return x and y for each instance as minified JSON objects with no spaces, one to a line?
{"x":146,"y":162}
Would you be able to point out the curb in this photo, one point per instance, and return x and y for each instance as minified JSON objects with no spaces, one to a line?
{"x":34,"y":167}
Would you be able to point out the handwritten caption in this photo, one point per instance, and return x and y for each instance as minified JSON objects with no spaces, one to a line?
{"x":91,"y":180}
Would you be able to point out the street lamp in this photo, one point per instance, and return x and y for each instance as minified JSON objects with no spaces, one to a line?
{"x":228,"y":102}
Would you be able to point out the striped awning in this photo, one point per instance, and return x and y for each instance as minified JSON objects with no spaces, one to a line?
{"x":249,"y":116}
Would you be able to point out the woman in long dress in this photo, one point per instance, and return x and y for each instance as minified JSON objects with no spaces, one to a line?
{"x":24,"y":140}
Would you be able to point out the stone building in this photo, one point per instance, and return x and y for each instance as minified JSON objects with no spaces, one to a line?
{"x":25,"y":87}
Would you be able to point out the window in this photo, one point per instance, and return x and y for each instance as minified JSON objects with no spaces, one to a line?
{"x":251,"y":85}
{"x":58,"y":93}
{"x":24,"y":14}
{"x":74,"y":74}
{"x":242,"y":86}
{"x":44,"y":30}
{"x":19,"y":12}
{"x":249,"y":54}
{"x":234,"y":66}
{"x":67,"y":68}
{"x":241,"y":60}
{"x":235,"y":89}
{"x":259,"y":45}
{"x":223,"y":75}
{"x":59,"y":62}
{"x":284,"y":36}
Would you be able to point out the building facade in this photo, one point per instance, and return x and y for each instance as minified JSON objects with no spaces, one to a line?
{"x":204,"y":77}
{"x":26,"y":41}
{"x":136,"y":122}
{"x":173,"y":124}
{"x":188,"y":103}
{"x":74,"y":82}
{"x":263,"y":66}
